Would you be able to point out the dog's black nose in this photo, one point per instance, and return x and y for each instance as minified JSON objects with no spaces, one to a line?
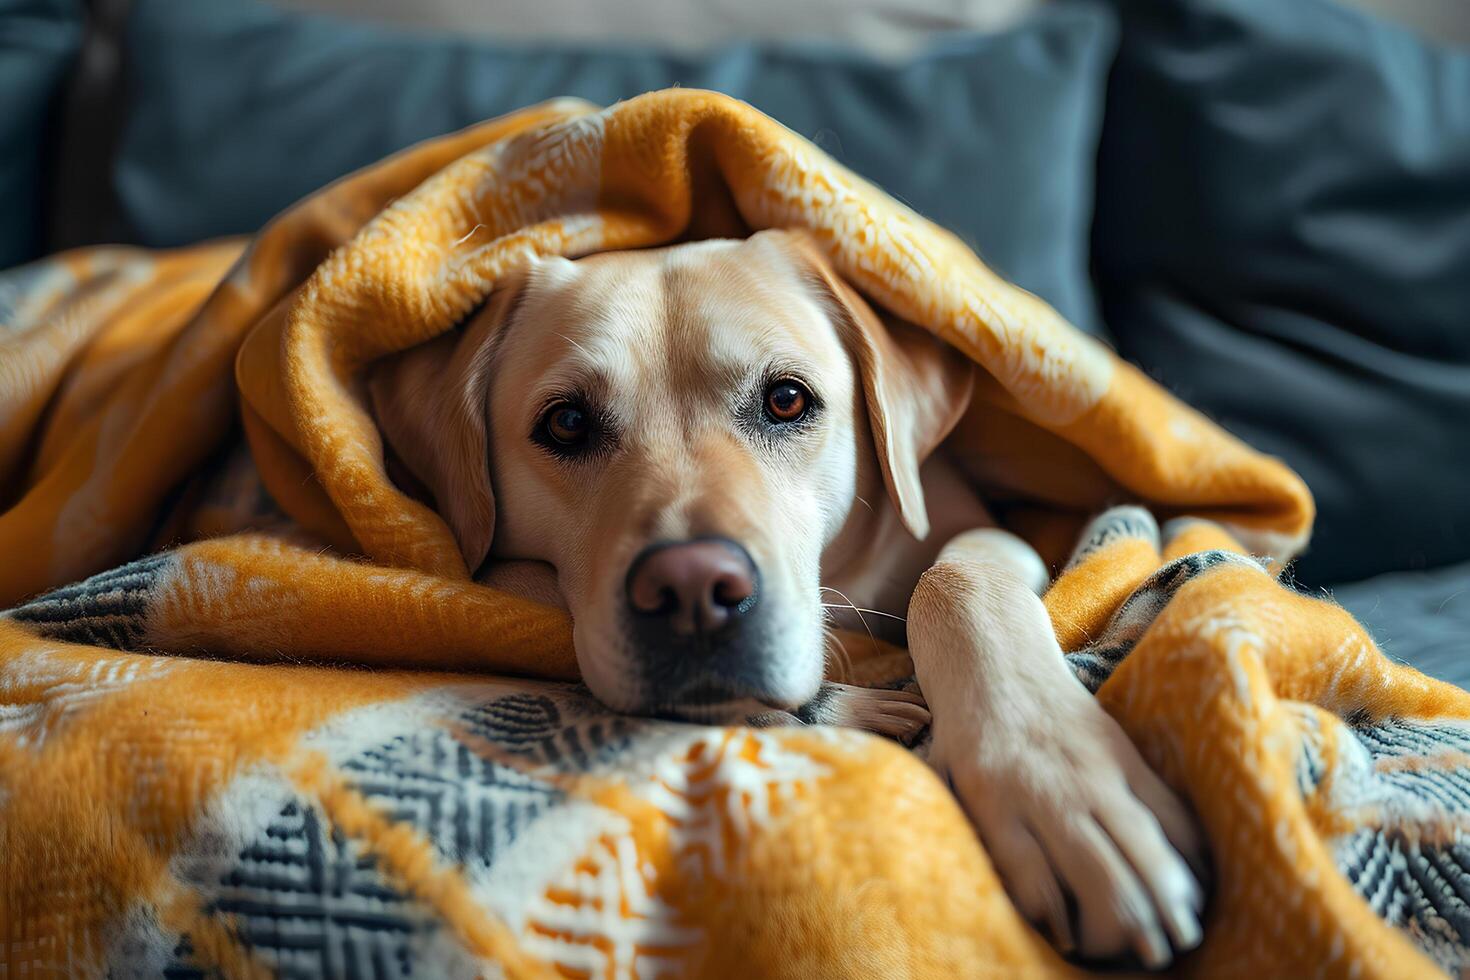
{"x":696,"y":587}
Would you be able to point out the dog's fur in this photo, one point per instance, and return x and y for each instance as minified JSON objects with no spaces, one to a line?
{"x":670,"y":351}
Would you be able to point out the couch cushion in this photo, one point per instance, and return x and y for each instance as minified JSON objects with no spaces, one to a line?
{"x":887,"y":27}
{"x":237,"y":109}
{"x":1283,"y":238}
{"x":1420,"y":618}
{"x":39,"y":40}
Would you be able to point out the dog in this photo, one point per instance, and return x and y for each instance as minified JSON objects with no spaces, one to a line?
{"x":690,"y":448}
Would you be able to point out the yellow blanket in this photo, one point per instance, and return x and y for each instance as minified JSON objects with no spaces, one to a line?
{"x":187,"y":784}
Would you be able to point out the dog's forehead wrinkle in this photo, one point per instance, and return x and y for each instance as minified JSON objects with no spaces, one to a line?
{"x":588,"y":332}
{"x":664,"y":339}
{"x":726,"y":342}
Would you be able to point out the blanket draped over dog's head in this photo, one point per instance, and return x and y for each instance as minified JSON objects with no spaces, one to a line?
{"x":404,"y":251}
{"x":178,"y":812}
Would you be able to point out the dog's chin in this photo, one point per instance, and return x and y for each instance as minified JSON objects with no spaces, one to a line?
{"x":713,"y":703}
{"x":738,"y":711}
{"x":705,"y":702}
{"x":756,"y":685}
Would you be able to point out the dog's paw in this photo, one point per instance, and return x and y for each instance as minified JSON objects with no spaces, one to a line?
{"x":1065,"y":805}
{"x":900,"y":715}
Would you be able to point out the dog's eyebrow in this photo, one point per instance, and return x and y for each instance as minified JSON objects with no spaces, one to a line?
{"x":785,"y":365}
{"x":564,"y":381}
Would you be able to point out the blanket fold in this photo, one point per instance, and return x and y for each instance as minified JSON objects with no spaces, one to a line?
{"x":187,"y":784}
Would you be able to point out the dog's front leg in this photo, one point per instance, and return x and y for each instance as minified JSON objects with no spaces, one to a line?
{"x":1061,"y":798}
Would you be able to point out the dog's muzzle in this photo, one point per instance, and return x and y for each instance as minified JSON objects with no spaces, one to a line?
{"x":698,"y":625}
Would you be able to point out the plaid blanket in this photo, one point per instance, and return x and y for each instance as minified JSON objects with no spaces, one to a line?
{"x":275,"y":728}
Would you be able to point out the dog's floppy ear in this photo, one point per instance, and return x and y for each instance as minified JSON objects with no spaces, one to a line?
{"x":430,"y":403}
{"x":915,"y":386}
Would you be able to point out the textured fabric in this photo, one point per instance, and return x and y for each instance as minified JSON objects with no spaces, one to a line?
{"x":39,"y":41}
{"x":193,"y":815}
{"x":1283,"y":239}
{"x":315,"y":823}
{"x":309,"y":99}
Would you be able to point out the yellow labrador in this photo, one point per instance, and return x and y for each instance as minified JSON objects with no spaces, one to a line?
{"x":697,"y":444}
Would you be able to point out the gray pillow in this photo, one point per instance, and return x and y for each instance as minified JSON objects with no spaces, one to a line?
{"x":1418,"y":618}
{"x":237,"y":109}
{"x":39,"y":40}
{"x":1283,"y":238}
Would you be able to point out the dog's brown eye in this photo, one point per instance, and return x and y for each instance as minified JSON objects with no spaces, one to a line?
{"x":786,"y":401}
{"x":567,"y":424}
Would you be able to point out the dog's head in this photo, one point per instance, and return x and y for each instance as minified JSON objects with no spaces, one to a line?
{"x":681,"y":433}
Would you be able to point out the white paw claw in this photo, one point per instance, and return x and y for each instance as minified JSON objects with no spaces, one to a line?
{"x":900,"y":715}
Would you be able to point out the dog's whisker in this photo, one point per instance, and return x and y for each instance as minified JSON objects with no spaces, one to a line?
{"x":863,"y":609}
{"x":854,"y":608}
{"x":838,"y":653}
{"x":579,"y":347}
